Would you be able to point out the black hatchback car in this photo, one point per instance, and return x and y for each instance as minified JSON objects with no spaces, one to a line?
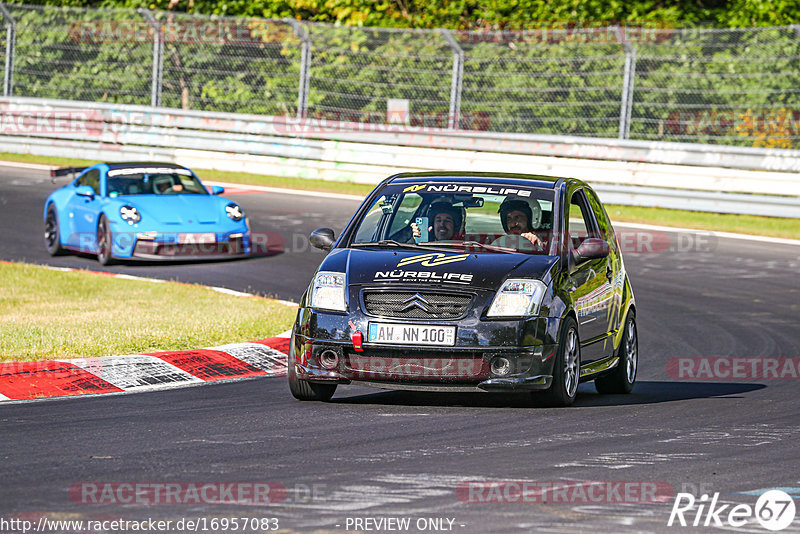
{"x":469,"y":282}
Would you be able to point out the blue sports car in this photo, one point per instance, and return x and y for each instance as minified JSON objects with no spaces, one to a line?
{"x":145,"y":211}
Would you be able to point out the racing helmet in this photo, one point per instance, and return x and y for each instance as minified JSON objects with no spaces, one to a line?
{"x":532,"y":211}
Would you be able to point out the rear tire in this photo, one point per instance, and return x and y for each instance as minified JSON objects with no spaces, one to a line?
{"x":104,"y":242}
{"x":566,"y":368}
{"x":52,"y":232}
{"x":623,"y":376}
{"x":303,"y":389}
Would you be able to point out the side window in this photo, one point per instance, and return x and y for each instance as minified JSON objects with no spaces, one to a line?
{"x":601,"y":217}
{"x":369,"y":224}
{"x":581,"y":223}
{"x":91,"y":178}
{"x":405,"y":212}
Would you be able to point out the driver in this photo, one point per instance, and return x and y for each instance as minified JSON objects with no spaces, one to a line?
{"x":446,"y":221}
{"x":519,"y":219}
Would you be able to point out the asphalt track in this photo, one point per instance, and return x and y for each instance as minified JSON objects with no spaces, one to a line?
{"x":370,"y":454}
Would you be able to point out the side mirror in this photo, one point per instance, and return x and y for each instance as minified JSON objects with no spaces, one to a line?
{"x":217,"y":190}
{"x":592,"y":248}
{"x":85,"y":191}
{"x":322,"y":238}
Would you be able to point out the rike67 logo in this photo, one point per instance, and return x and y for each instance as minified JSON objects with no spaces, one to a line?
{"x":774,"y":510}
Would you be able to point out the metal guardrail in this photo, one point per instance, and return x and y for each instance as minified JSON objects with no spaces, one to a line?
{"x":624,"y":172}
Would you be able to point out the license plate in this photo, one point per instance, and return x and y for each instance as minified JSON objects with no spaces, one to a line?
{"x":197,"y":239}
{"x":408,"y":334}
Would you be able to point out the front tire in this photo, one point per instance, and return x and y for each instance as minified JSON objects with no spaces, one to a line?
{"x":52,"y":232}
{"x":104,"y":242}
{"x":566,"y":368}
{"x":623,"y":376}
{"x":303,"y":389}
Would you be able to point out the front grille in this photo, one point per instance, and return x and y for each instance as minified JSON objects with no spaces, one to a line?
{"x":416,"y":304}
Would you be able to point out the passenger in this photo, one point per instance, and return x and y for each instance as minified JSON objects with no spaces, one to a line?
{"x":519,"y":219}
{"x":445,"y":222}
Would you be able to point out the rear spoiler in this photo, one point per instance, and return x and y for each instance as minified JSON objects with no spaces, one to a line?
{"x":56,"y":173}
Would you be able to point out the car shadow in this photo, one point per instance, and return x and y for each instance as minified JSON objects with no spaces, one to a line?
{"x":646,"y":392}
{"x":182,"y":261}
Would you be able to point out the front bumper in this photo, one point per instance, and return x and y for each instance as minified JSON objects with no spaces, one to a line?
{"x":156,"y":246}
{"x":495,"y":385}
{"x":323,"y":351}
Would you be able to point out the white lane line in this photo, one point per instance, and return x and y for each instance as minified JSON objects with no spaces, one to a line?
{"x":728,"y":235}
{"x":136,"y":372}
{"x":19,"y":164}
{"x":320,"y":194}
{"x":231,"y":292}
{"x":297,"y":192}
{"x":223,"y":290}
{"x":139,"y":278}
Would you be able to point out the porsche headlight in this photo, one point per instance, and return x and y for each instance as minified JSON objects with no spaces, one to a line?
{"x":234,"y":211}
{"x":517,"y":298}
{"x":328,"y":291}
{"x":130,"y":214}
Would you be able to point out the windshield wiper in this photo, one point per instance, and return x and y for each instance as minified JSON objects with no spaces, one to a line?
{"x":484,"y":246}
{"x":393,"y":243}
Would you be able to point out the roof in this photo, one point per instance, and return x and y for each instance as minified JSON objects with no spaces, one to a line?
{"x":531,"y":180}
{"x":129,"y":164}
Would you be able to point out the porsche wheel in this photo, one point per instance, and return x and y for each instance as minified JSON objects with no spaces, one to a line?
{"x":303,"y":389}
{"x":566,"y":368}
{"x":104,"y":242}
{"x":622,"y":378}
{"x":52,"y":233}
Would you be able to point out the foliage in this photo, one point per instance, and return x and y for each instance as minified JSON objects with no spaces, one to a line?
{"x":529,"y":66}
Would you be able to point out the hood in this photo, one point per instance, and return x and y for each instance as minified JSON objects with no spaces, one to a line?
{"x":179,"y":209}
{"x":451,"y":269}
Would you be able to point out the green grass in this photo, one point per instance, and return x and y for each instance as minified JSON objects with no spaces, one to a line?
{"x":744,"y":224}
{"x":45,"y":160}
{"x":47,"y":314}
{"x":718,"y":222}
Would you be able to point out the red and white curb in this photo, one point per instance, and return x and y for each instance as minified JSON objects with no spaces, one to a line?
{"x":142,"y":372}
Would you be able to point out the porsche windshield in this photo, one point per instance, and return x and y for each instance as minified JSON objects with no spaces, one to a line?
{"x":478,"y":217}
{"x":153,"y":181}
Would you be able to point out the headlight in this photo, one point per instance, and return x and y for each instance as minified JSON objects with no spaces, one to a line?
{"x":517,"y":298}
{"x":328,"y":291}
{"x":234,"y":211}
{"x":130,"y":214}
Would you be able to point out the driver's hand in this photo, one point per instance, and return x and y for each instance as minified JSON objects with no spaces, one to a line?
{"x":533,"y":238}
{"x":415,"y":231}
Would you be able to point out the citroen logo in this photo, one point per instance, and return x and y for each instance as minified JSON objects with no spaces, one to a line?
{"x":417,"y":301}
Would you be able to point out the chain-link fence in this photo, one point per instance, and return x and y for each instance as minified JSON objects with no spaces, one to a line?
{"x":737,"y":87}
{"x":728,"y":86}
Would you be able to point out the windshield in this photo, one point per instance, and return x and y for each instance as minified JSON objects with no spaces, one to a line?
{"x":476,"y":217}
{"x":153,"y":181}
